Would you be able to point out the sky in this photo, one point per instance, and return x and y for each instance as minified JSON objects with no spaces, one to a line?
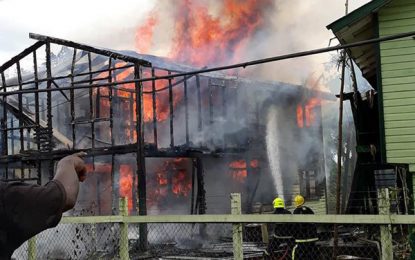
{"x":299,"y":25}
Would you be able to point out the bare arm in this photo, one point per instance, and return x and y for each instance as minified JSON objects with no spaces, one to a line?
{"x":70,"y":171}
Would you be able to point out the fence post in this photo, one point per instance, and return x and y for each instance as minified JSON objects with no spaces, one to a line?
{"x":31,"y":248}
{"x":123,"y":206}
{"x":385,"y":230}
{"x":236,"y":227}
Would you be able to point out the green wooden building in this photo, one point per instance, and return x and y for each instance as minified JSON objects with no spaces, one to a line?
{"x":385,"y":117}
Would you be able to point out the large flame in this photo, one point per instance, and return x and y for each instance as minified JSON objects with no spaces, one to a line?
{"x":238,"y":169}
{"x":307,"y":115}
{"x":206,"y":33}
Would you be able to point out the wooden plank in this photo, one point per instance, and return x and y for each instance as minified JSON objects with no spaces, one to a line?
{"x":402,"y":80}
{"x":397,"y":59}
{"x":400,"y":117}
{"x":396,"y":30}
{"x":386,"y":88}
{"x":398,"y":73}
{"x":399,"y":102}
{"x":399,"y":124}
{"x":400,"y":146}
{"x":399,"y":94}
{"x":399,"y":109}
{"x":396,"y":52}
{"x":405,"y":14}
{"x":401,"y":43}
{"x":246,"y":218}
{"x":401,"y":153}
{"x":410,"y":160}
{"x":400,"y":139}
{"x":396,"y":23}
{"x":398,"y":66}
{"x":397,"y":9}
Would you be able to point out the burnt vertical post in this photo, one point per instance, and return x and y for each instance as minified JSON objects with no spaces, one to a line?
{"x":224,"y":109}
{"x":131,"y":115}
{"x":199,"y":104}
{"x":72,"y":99}
{"x":12,"y":134}
{"x":49,"y":106}
{"x":192,"y":198}
{"x":20,"y":105}
{"x":201,"y":195}
{"x":171,"y":112}
{"x":91,"y":108}
{"x":210,"y":87}
{"x":111,"y":116}
{"x":5,"y":146}
{"x":114,"y":182}
{"x":141,"y":169}
{"x":153,"y":93}
{"x":186,"y":110}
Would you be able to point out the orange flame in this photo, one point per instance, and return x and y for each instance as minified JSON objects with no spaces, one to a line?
{"x":238,"y":169}
{"x":308,"y":111}
{"x":126,"y":183}
{"x":144,"y":35}
{"x":201,"y":38}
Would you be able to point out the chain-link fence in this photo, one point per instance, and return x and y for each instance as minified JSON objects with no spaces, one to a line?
{"x":234,"y":236}
{"x":217,"y":241}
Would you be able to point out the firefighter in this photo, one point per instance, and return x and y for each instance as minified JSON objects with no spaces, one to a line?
{"x":305,"y":233}
{"x":282,"y":235}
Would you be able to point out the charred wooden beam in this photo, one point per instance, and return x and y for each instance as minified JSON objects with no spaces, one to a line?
{"x":91,"y":104}
{"x":49,"y":107}
{"x":153,"y":88}
{"x":84,"y":47}
{"x":210,"y":98}
{"x":111,"y":115}
{"x":199,"y":104}
{"x":171,"y":112}
{"x":131,"y":119}
{"x":148,"y":150}
{"x":140,"y":157}
{"x":20,"y":104}
{"x":5,"y":147}
{"x":20,"y":56}
{"x":63,"y":93}
{"x":72,"y":100}
{"x":37,"y":118}
{"x":186,"y":111}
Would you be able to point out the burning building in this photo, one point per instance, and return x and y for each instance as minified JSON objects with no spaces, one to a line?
{"x":168,"y":143}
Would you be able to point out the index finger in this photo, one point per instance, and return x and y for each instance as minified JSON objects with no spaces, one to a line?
{"x":80,"y":154}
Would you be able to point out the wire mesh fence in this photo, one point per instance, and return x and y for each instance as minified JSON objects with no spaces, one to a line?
{"x":219,"y":241}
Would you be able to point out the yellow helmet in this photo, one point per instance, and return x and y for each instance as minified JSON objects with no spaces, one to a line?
{"x":278,"y":203}
{"x":298,"y":200}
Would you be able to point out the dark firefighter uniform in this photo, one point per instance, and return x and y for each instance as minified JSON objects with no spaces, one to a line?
{"x":282,"y":234}
{"x":305,"y":233}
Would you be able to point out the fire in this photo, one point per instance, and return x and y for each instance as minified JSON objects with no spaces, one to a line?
{"x":144,"y":35}
{"x":126,"y":183}
{"x":238,"y":169}
{"x":307,"y":113}
{"x":171,"y":180}
{"x":206,"y":34}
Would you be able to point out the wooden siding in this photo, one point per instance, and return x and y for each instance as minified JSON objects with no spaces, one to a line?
{"x":398,"y":81}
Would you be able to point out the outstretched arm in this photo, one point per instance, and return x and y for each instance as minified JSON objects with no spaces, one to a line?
{"x":70,"y":171}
